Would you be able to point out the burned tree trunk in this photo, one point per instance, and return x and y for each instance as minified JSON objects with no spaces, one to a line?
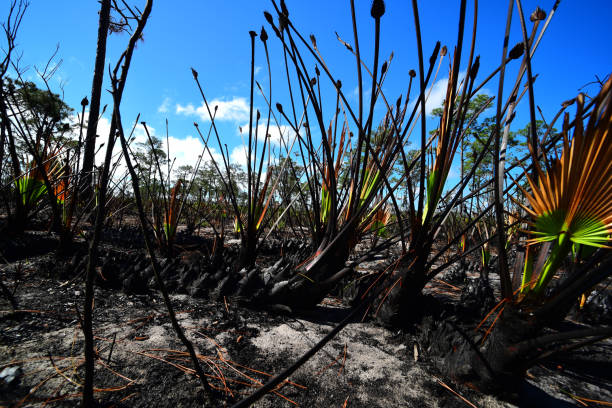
{"x":96,"y":92}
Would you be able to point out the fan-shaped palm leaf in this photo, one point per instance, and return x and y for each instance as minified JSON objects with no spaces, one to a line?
{"x":571,"y":201}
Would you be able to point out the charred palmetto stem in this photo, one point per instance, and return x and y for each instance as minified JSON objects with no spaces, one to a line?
{"x":365,"y":136}
{"x":446,"y":148}
{"x":78,"y":177}
{"x":358,"y":57}
{"x":415,"y":11}
{"x":250,"y":198}
{"x":504,"y":274}
{"x":154,"y":264}
{"x":89,"y":277}
{"x":532,"y":116}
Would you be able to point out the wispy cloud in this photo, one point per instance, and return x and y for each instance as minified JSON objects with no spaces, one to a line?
{"x":76,"y":61}
{"x":163,"y":108}
{"x":236,"y":109}
{"x":366,"y":93}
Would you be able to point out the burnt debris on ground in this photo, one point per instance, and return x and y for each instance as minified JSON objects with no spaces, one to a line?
{"x":141,"y":363}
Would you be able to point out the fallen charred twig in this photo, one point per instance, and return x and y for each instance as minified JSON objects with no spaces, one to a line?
{"x":277,"y":379}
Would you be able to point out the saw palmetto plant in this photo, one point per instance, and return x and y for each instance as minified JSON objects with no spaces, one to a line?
{"x":172,"y":214}
{"x":339,"y":211}
{"x":167,"y":203}
{"x":569,"y":202}
{"x":347,"y":161}
{"x":428,"y":211}
{"x":35,"y":116}
{"x":40,"y":126}
{"x":252,"y":216}
{"x":570,"y":207}
{"x":447,"y":142}
{"x":31,"y":185}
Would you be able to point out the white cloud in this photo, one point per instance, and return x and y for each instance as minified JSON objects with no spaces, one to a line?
{"x":257,"y":69}
{"x":236,"y":109}
{"x":102,"y":132}
{"x":163,"y":108}
{"x":186,"y":150}
{"x":239,"y":156}
{"x":183,"y":151}
{"x":275,"y":132}
{"x":437,"y":93}
{"x":185,"y":110}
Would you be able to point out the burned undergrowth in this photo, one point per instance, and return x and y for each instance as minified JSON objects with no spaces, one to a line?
{"x":335,"y":265}
{"x":367,"y":364}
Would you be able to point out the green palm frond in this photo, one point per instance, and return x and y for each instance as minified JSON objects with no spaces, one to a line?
{"x":571,"y":203}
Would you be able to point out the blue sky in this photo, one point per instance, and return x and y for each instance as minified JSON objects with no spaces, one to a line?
{"x":213,"y":38}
